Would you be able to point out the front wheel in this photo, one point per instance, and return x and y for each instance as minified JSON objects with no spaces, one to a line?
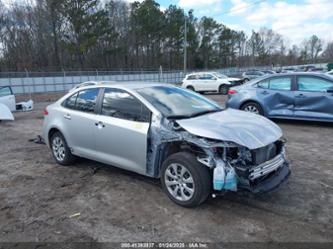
{"x":253,"y":108}
{"x":185,"y":180}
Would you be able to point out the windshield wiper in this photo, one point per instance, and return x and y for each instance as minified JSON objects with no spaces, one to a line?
{"x":204,"y":112}
{"x":193,"y":115}
{"x":178,"y":116}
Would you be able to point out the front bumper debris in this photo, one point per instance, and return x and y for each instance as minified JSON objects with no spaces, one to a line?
{"x":273,"y":181}
{"x":266,"y":167}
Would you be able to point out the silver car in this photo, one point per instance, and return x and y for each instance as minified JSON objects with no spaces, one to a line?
{"x":193,"y":145}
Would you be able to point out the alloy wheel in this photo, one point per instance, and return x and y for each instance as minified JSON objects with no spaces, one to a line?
{"x":179,"y":182}
{"x":58,"y":148}
{"x":252,"y":109}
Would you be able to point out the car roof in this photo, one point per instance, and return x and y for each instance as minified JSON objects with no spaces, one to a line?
{"x":131,"y":85}
{"x":323,"y":75}
{"x":194,"y":73}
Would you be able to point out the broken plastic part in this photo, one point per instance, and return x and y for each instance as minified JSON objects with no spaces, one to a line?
{"x":25,"y":106}
{"x":5,"y":113}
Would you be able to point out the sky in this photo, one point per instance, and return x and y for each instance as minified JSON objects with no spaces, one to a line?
{"x":296,"y":20}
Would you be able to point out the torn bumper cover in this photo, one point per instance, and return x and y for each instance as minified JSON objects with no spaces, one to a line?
{"x":274,"y":180}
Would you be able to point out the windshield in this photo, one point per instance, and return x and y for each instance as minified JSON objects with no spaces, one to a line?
{"x":174,"y":102}
{"x":221,"y":76}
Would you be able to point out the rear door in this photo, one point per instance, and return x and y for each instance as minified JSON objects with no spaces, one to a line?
{"x":122,"y":130}
{"x":7,"y":97}
{"x":312,"y":99}
{"x":79,"y":119}
{"x":277,"y":95}
{"x":208,"y":82}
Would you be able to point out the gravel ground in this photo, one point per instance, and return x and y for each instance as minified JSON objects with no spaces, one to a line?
{"x":89,"y":201}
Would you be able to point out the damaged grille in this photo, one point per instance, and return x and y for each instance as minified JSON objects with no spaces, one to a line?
{"x":266,"y":167}
{"x":264,"y":154}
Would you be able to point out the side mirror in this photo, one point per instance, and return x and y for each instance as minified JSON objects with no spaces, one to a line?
{"x":330,"y":90}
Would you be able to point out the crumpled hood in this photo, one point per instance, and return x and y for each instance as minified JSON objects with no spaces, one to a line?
{"x":243,"y":128}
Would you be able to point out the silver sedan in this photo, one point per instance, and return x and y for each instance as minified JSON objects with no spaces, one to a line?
{"x":193,"y":145}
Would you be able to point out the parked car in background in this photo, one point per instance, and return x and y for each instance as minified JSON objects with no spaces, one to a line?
{"x":268,"y":71}
{"x":89,"y":83}
{"x":8,"y":98}
{"x":209,"y":82}
{"x":253,"y":74}
{"x":307,"y":96}
{"x":161,"y":131}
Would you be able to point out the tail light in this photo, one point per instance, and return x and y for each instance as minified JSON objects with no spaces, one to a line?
{"x":45,"y":112}
{"x":232,"y":91}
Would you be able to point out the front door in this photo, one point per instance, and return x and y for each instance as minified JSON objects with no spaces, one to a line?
{"x":314,"y":97}
{"x":7,"y":98}
{"x":122,"y":131}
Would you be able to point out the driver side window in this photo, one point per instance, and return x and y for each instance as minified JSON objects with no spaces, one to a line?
{"x":118,"y":103}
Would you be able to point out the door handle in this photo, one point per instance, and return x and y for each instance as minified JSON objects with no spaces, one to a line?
{"x":67,"y":116}
{"x":265,"y":92}
{"x":100,"y":124}
{"x":301,"y":95}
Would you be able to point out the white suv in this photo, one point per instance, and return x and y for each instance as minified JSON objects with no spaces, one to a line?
{"x":209,"y":82}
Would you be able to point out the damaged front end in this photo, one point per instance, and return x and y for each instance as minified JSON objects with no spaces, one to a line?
{"x":233,"y":166}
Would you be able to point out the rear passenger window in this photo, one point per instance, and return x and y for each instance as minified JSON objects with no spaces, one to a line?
{"x":70,"y":102}
{"x":120,"y":104}
{"x":206,"y":77}
{"x":84,"y":100}
{"x":280,"y":83}
{"x":192,"y":77}
{"x":263,"y":84}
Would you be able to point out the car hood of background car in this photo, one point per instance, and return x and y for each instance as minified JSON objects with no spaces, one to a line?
{"x":243,"y":128}
{"x":233,"y":79}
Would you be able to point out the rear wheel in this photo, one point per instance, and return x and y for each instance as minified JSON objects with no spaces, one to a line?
{"x":190,"y":88}
{"x":253,"y":108}
{"x":223,"y":89}
{"x":185,"y":180}
{"x":60,"y":150}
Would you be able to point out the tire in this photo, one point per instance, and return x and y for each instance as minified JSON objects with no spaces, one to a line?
{"x":190,"y":188}
{"x":190,"y":88}
{"x":245,"y":80}
{"x":252,"y":107}
{"x":60,"y":150}
{"x":223,"y":89}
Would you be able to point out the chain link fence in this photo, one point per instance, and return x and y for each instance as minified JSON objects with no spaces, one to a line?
{"x":42,"y":82}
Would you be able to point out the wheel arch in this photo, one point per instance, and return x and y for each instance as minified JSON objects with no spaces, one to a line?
{"x":253,"y":101}
{"x":51,"y":132}
{"x":171,"y":148}
{"x":189,"y":86}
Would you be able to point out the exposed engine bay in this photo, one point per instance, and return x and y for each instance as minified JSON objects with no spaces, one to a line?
{"x":233,"y":166}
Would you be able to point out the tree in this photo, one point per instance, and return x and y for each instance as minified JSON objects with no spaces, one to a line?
{"x":328,"y":53}
{"x":208,"y":31}
{"x":85,"y":25}
{"x":311,"y":49}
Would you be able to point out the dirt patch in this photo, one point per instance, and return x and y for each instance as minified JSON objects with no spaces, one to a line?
{"x":39,"y":197}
